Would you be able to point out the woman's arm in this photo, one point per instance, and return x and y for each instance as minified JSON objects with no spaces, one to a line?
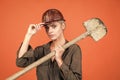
{"x":73,"y":71}
{"x":33,"y":28}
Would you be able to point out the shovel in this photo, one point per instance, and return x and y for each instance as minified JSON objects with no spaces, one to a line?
{"x":95,"y":29}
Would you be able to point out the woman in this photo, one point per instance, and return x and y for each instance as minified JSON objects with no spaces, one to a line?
{"x":66,"y":64}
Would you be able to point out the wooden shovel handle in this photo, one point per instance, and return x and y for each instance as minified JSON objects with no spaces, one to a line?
{"x":45,"y":58}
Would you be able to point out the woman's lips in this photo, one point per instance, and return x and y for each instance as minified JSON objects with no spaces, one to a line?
{"x":51,"y":35}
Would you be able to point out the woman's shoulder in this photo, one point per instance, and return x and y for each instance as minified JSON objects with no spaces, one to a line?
{"x":75,"y":46}
{"x":46,"y":45}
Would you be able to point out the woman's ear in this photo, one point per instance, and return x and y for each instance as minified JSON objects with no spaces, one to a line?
{"x":63,"y":26}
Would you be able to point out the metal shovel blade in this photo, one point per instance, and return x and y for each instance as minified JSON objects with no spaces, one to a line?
{"x":96,"y":28}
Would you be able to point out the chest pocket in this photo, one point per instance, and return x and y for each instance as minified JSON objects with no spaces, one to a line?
{"x":67,"y":60}
{"x":43,"y":68}
{"x":67,"y":57}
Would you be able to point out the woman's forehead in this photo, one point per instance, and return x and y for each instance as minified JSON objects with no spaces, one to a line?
{"x":53,"y":23}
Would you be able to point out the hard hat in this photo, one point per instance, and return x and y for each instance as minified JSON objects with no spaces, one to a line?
{"x":52,"y":15}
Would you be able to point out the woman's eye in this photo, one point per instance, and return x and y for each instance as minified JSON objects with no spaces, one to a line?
{"x":46,"y":27}
{"x":54,"y":26}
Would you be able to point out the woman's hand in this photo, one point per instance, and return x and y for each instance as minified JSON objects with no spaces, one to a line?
{"x":34,"y":28}
{"x":58,"y":56}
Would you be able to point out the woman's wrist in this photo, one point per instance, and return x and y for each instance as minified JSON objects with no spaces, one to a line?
{"x":28,"y":36}
{"x":60,"y":62}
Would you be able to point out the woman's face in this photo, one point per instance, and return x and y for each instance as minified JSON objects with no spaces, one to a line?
{"x":54,"y":30}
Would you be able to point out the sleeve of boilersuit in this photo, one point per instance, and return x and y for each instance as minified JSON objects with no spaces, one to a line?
{"x":26,"y":59}
{"x":74,"y":71}
{"x":29,"y":57}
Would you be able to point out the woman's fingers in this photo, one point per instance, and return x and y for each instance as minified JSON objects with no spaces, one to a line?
{"x":33,"y":28}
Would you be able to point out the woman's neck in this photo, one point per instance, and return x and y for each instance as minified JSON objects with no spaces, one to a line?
{"x":60,"y":41}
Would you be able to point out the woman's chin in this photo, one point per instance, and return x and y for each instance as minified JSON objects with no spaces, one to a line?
{"x":52,"y":38}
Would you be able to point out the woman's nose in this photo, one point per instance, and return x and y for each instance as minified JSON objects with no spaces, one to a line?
{"x":50,"y":30}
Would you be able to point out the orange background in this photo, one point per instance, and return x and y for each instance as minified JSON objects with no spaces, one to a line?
{"x":100,"y":60}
